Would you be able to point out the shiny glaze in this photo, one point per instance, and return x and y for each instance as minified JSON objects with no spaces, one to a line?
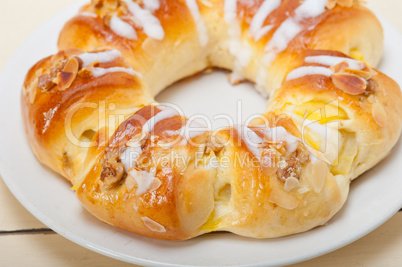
{"x":45,"y":118}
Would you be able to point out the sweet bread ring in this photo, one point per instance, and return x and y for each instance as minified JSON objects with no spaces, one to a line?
{"x":185,"y":37}
{"x":142,"y":167}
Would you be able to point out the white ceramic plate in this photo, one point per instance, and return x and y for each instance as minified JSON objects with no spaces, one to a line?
{"x":374,"y":197}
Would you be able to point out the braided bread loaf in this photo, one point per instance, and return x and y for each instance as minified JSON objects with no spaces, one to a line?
{"x":146,"y":168}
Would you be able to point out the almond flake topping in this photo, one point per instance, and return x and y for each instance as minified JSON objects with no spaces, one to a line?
{"x":317,"y":171}
{"x":283,"y":199}
{"x":349,"y":83}
{"x":152,"y":225}
{"x":379,"y":114}
{"x":343,"y":3}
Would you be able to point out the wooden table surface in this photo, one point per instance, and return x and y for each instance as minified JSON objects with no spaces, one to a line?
{"x":24,"y":241}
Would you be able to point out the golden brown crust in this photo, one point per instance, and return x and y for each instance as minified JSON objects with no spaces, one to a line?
{"x":127,"y":208}
{"x":130,"y":161}
{"x":358,"y":32}
{"x":55,"y":120}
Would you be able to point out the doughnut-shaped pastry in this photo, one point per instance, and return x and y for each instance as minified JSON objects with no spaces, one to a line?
{"x":259,"y":40}
{"x":146,"y":168}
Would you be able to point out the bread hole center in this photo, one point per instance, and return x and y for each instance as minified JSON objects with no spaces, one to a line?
{"x":211,"y":97}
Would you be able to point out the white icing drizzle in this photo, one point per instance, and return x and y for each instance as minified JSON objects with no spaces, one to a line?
{"x":101,"y":57}
{"x":152,"y":5}
{"x":173,"y":133}
{"x":122,"y":28}
{"x":291,"y":27}
{"x":150,"y":23}
{"x":144,"y":180}
{"x":88,"y":14}
{"x":332,"y":61}
{"x":251,"y":139}
{"x":240,"y":51}
{"x":310,"y":9}
{"x":323,"y":60}
{"x":201,"y":28}
{"x":230,"y":11}
{"x":152,"y":225}
{"x":308,"y":70}
{"x":256,"y":26}
{"x":186,"y":132}
{"x":262,"y":32}
{"x":280,"y":133}
{"x":288,"y":30}
{"x":97,"y":72}
{"x":130,"y":155}
{"x":162,"y":115}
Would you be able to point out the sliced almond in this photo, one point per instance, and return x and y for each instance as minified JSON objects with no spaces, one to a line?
{"x":331,"y":4}
{"x":130,"y":183}
{"x":152,"y":225}
{"x":291,"y":183}
{"x":68,"y":75}
{"x":379,"y":114}
{"x":318,"y":173}
{"x":340,"y":67}
{"x":268,"y":163}
{"x":72,"y":65}
{"x":361,"y":73}
{"x":349,"y":83}
{"x":58,"y":57}
{"x":32,"y":90}
{"x":85,"y":73}
{"x":65,"y":80}
{"x":155,"y":185}
{"x":303,"y":190}
{"x":283,"y":199}
{"x":345,"y":3}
